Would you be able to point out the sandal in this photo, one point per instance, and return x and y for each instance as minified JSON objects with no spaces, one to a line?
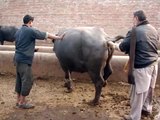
{"x":26,"y":106}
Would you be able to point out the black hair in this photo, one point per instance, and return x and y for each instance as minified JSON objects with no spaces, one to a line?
{"x":27,"y":18}
{"x":140,"y":14}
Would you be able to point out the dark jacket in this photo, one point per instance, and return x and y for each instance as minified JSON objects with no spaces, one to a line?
{"x":146,"y":45}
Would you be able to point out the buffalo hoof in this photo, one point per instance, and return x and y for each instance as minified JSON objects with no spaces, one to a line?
{"x":65,"y":85}
{"x":104,"y":84}
{"x":93,"y":103}
{"x":69,"y":90}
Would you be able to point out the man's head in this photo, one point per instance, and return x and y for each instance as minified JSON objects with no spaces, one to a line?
{"x":138,"y":17}
{"x":28,"y":20}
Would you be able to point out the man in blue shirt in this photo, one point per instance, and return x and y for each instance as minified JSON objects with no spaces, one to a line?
{"x":25,"y":47}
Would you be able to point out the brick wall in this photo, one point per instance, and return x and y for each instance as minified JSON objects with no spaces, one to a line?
{"x":115,"y":16}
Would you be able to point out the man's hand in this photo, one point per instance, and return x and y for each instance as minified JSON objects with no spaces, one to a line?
{"x":111,"y":44}
{"x":55,"y":37}
{"x":62,"y":36}
{"x":131,"y":79}
{"x":36,"y":49}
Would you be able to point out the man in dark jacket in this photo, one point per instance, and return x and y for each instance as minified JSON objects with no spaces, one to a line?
{"x":25,"y":47}
{"x":145,"y":65}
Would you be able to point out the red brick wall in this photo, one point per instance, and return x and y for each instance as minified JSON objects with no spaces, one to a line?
{"x":115,"y":16}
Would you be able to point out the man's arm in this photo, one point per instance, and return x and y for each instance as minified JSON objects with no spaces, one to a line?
{"x":44,"y":35}
{"x":124,"y":46}
{"x":55,"y":37}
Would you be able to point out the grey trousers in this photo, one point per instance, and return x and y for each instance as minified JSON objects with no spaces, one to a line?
{"x":24,"y":79}
{"x":141,"y":98}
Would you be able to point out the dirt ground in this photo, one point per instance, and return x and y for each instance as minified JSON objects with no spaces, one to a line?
{"x":53,"y":103}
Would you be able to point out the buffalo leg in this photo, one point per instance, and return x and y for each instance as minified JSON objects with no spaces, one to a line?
{"x":98,"y":82}
{"x":98,"y":87}
{"x":107,"y":71}
{"x":68,"y":81}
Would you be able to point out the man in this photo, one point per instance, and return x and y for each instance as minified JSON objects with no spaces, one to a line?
{"x":25,"y":47}
{"x":145,"y":64}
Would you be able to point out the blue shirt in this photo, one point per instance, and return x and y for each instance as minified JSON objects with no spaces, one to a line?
{"x":25,"y":43}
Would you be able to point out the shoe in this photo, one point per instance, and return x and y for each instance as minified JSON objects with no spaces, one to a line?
{"x":127,"y":117}
{"x":145,"y":113}
{"x":26,"y":106}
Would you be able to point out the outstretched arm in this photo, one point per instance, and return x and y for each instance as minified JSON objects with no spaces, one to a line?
{"x":52,"y":36}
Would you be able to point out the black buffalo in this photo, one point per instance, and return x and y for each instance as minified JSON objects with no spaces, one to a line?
{"x":85,"y":50}
{"x":7,"y":33}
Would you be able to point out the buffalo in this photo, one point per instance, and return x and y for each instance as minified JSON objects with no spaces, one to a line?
{"x":7,"y":33}
{"x":85,"y":49}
